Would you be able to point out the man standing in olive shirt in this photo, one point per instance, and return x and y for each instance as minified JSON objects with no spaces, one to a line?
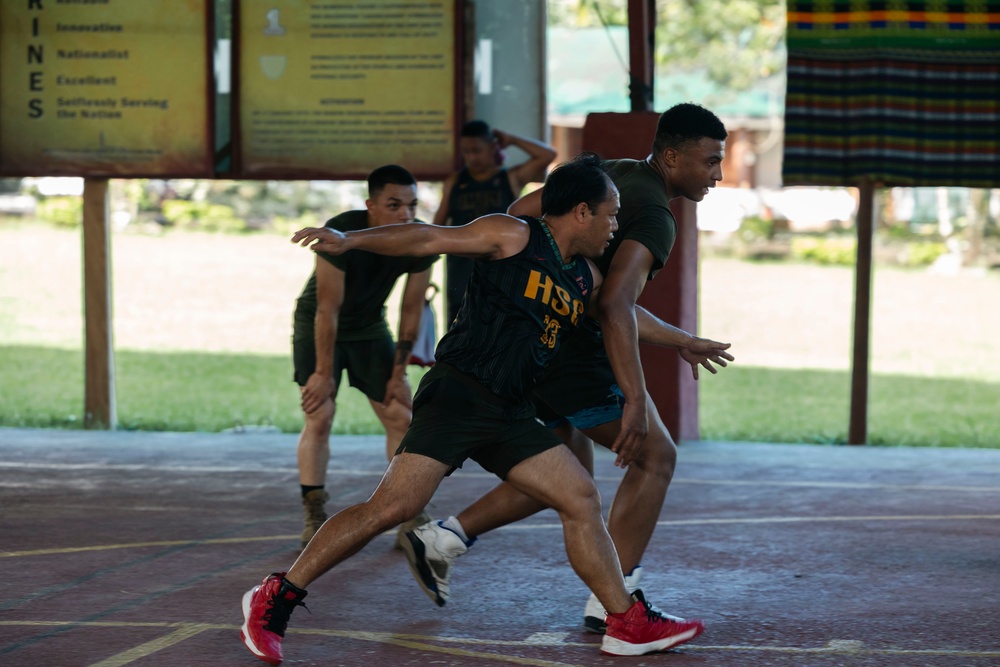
{"x":340,"y":326}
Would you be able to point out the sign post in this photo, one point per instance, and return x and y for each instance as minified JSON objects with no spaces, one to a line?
{"x":104,"y":89}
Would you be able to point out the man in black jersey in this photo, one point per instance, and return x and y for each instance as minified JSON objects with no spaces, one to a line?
{"x":532,"y":284}
{"x":595,"y":384}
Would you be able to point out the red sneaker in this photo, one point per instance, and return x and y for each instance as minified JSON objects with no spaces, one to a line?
{"x":266,"y":609}
{"x":639,"y":631}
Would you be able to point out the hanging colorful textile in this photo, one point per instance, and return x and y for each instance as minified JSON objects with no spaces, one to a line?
{"x":902,"y":93}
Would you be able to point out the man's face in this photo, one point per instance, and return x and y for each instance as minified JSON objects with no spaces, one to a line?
{"x":696,"y":167}
{"x":395,"y":204}
{"x":478,"y":154}
{"x":603,"y":224}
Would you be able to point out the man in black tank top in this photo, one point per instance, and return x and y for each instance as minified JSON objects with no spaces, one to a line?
{"x":483,"y":186}
{"x":595,"y":384}
{"x":533,"y":284}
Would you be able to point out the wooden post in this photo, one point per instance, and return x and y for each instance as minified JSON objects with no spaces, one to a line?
{"x":641,"y":42}
{"x":99,"y":362}
{"x":858,"y":429}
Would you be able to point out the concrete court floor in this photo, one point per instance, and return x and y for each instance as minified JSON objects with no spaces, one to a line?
{"x":121,"y":548}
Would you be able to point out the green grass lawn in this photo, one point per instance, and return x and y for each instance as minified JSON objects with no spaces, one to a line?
{"x":813,"y":406}
{"x":182,"y":391}
{"x":202,"y":325}
{"x":172,"y":391}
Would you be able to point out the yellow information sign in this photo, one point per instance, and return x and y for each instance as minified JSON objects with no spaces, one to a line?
{"x":335,"y":88}
{"x":116,"y":88}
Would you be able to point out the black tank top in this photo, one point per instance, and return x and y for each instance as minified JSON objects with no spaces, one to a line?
{"x":515,"y":314}
{"x":471,"y":199}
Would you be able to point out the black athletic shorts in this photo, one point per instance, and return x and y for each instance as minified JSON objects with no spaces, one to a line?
{"x":456,"y":418}
{"x":368,"y":363}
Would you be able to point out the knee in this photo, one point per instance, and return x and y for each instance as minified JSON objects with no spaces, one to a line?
{"x":397,"y":417}
{"x":659,"y":456}
{"x":583,"y":501}
{"x":391,"y":512}
{"x":319,"y":422}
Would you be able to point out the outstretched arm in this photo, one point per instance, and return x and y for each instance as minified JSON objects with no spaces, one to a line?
{"x":489,"y":237}
{"x":693,"y":349}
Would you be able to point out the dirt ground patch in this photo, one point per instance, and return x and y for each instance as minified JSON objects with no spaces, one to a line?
{"x":184,"y":291}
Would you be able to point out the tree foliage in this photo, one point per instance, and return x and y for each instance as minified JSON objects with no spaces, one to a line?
{"x":736,"y":41}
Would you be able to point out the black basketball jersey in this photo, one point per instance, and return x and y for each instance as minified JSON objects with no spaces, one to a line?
{"x":471,"y":199}
{"x":515,"y":314}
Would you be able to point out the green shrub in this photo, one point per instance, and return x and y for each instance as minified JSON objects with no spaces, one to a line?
{"x":288,"y":226}
{"x":61,"y":211}
{"x":203,"y":216}
{"x":755,"y":228}
{"x":827,"y":251}
{"x":923,"y":253}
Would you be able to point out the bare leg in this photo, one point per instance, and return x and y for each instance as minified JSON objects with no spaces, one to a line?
{"x":395,"y":418}
{"x":636,"y":506}
{"x":314,"y":445}
{"x":639,"y":500}
{"x":575,"y":497}
{"x":407,"y":486}
{"x":505,"y":505}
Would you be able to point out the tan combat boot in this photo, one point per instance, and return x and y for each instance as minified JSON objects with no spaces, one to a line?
{"x":314,"y":505}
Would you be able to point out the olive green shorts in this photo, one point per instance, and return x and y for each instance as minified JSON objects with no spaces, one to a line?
{"x":368,"y":363}
{"x":455,"y":418}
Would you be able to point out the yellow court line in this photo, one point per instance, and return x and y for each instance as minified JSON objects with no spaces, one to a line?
{"x":834,"y":647}
{"x":158,"y":644}
{"x":778,"y":519}
{"x":828,"y":519}
{"x":139,"y":545}
{"x":833,"y":485}
{"x":834,"y":650}
{"x":520,"y":526}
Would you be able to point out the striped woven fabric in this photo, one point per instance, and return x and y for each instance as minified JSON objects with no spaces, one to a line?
{"x":903,"y":93}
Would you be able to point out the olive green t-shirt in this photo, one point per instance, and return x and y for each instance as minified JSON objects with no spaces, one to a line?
{"x":645,"y":214}
{"x":368,"y":280}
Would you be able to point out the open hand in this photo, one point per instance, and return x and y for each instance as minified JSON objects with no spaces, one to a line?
{"x":322,"y":239}
{"x":703,"y":352}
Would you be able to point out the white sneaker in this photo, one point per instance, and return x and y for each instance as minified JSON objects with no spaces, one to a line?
{"x":431,"y":551}
{"x":407,"y":526}
{"x":594,"y":613}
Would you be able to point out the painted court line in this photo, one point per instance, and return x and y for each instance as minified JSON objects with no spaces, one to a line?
{"x":520,"y":526}
{"x":420,"y":642}
{"x":150,"y":647}
{"x":832,"y":485}
{"x":352,"y":472}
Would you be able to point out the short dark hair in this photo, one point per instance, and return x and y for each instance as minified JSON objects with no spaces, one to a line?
{"x":478,"y":129}
{"x":582,"y":179}
{"x":390,"y":174}
{"x":686,"y":123}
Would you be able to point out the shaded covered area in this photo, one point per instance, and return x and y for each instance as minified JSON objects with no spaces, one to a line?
{"x":133,"y":549}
